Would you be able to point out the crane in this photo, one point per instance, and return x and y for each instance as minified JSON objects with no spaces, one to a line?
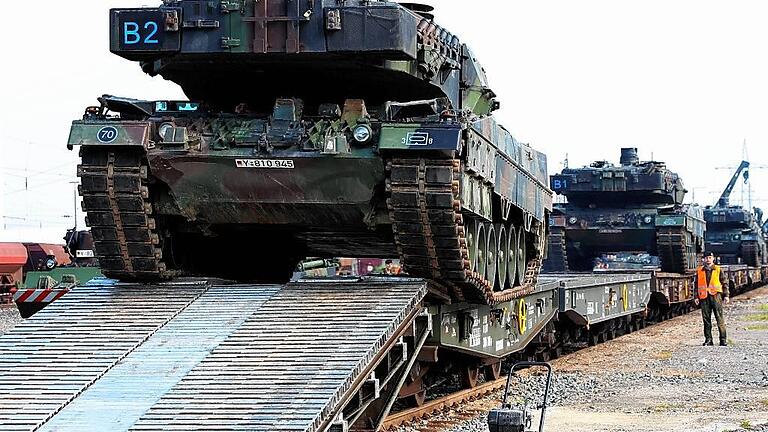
{"x":723,"y":200}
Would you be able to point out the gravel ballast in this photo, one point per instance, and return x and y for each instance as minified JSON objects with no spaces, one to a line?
{"x":656,"y":379}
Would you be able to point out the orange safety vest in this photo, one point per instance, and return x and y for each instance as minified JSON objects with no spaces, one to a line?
{"x":714,"y":286}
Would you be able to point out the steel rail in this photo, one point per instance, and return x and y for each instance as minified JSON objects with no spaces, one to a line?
{"x":441,"y":404}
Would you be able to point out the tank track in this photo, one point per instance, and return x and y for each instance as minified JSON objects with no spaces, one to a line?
{"x":116,"y":198}
{"x":557,"y":256}
{"x":673,"y":244}
{"x":750,"y":254}
{"x":425,"y":209}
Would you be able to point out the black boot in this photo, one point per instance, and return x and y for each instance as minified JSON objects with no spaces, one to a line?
{"x":707,"y":342}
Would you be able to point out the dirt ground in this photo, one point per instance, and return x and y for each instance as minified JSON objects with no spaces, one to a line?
{"x":670,"y":382}
{"x":9,"y":317}
{"x":659,"y":379}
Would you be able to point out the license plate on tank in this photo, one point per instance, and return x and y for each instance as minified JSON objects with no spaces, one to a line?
{"x":264,"y":163}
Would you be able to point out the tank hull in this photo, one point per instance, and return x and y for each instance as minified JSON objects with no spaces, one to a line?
{"x":635,"y":208}
{"x":453,"y":200}
{"x":222,"y":189}
{"x":735,"y":237}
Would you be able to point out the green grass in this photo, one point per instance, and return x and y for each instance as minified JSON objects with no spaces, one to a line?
{"x":758,"y":317}
{"x":731,"y":342}
{"x":745,"y":424}
{"x":763,"y":308}
{"x":665,"y":406}
{"x":757,"y":327}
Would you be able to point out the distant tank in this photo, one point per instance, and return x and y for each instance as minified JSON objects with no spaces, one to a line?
{"x":636,"y":208}
{"x":323,"y":128}
{"x":735,"y":234}
{"x":79,"y":246}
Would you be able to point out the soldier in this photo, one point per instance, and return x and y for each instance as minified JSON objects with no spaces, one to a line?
{"x":711,"y":292}
{"x":391,"y":268}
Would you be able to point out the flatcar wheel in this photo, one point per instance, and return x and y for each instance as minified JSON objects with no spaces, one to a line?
{"x":492,"y":371}
{"x":543,"y":356}
{"x":593,"y":339}
{"x":416,"y":400}
{"x":610,"y":334}
{"x":469,"y":375}
{"x":557,"y":352}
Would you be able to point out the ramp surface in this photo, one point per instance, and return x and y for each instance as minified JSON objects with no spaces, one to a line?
{"x":198,"y":356}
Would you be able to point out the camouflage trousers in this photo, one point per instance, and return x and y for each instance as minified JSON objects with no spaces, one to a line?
{"x":708,"y":306}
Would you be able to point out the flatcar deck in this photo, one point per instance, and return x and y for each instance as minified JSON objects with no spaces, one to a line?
{"x":199,"y":355}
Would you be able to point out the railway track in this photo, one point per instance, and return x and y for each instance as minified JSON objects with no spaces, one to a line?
{"x":440,"y":404}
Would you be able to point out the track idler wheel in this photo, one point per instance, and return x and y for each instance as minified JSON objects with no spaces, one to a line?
{"x":482,"y":250}
{"x":521,"y":255}
{"x":491,"y":256}
{"x":471,"y":234}
{"x":502,"y":250}
{"x":511,"y":256}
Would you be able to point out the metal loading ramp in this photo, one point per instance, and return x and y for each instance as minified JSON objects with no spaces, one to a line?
{"x":203,"y":355}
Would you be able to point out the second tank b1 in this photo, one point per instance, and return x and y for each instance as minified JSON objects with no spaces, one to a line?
{"x":635,"y":208}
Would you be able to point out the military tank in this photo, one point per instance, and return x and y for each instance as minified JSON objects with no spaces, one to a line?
{"x":322,"y":128}
{"x":636,"y":207}
{"x":735,"y":234}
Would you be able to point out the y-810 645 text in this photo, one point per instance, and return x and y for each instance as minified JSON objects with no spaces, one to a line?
{"x":264,"y":163}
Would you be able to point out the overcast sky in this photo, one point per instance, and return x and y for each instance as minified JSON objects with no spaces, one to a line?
{"x":685,"y":81}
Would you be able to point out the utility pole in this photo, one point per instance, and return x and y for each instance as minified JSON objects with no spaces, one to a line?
{"x":74,"y":196}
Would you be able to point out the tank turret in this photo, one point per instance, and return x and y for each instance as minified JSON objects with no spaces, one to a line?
{"x":322,"y":128}
{"x":635,"y":208}
{"x":320,"y":50}
{"x":633,"y":183}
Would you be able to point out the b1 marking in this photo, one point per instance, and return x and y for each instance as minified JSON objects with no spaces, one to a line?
{"x":417,"y":139}
{"x":107,"y":134}
{"x":559,"y":184}
{"x":86,"y":253}
{"x":264,"y":163}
